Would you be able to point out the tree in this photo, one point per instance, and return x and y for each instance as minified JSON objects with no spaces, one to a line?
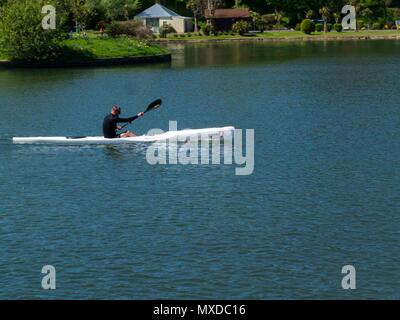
{"x":278,"y":17}
{"x":256,"y":18}
{"x":81,"y":10}
{"x":22,"y":35}
{"x":295,"y":10}
{"x":367,"y":14}
{"x":120,"y":9}
{"x":212,"y":5}
{"x":336,"y":16}
{"x":325,"y":13}
{"x":309,"y":14}
{"x":238,"y":4}
{"x":197,"y":7}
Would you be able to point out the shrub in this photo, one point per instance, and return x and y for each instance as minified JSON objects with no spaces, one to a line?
{"x":165,"y":29}
{"x":134,"y":28}
{"x":297,"y":27}
{"x":307,"y":26}
{"x":376,"y":26}
{"x":319,"y":27}
{"x":241,"y":27}
{"x":337,"y":27}
{"x":261,"y":25}
{"x":22,"y":36}
{"x":269,"y":19}
{"x":144,"y":33}
{"x":328,"y":27}
{"x":207,"y":29}
{"x":285,"y":21}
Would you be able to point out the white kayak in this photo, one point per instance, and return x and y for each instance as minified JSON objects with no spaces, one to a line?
{"x":202,"y":134}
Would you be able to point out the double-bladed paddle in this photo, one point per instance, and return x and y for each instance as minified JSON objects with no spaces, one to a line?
{"x":152,"y":106}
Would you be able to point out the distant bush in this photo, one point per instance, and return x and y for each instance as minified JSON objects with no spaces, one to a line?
{"x":297,"y":27}
{"x":241,"y":27}
{"x":319,"y":27}
{"x":285,"y":21}
{"x":269,"y":19}
{"x":144,"y":33}
{"x":165,"y":29}
{"x":376,"y":26}
{"x":328,"y":27}
{"x":337,"y":27}
{"x":207,"y":29}
{"x":307,"y":26}
{"x":133,"y":28}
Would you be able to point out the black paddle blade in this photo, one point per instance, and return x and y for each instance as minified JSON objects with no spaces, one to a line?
{"x":154,"y":105}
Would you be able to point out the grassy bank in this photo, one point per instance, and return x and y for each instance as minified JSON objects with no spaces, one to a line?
{"x":95,"y":48}
{"x":287,"y":35}
{"x":92,"y":47}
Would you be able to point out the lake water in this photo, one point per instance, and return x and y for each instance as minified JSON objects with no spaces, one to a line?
{"x":325,"y":191}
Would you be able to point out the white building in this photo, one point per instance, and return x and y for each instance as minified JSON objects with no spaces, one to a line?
{"x":158,"y":15}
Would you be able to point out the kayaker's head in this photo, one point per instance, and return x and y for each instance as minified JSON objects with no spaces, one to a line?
{"x":116,"y":111}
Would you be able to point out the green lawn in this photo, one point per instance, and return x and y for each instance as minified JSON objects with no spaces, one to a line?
{"x":291,"y":34}
{"x":95,"y":48}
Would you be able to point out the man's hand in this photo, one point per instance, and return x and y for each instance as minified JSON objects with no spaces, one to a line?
{"x":140,"y":114}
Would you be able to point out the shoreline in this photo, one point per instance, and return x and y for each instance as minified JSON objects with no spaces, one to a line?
{"x":100,"y":62}
{"x":281,"y":39}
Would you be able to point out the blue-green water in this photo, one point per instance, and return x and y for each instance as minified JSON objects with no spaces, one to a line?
{"x":325,"y":191}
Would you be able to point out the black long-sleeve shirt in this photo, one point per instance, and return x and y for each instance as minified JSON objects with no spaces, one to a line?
{"x":110,"y":125}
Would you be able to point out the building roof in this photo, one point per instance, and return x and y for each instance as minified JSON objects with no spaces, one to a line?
{"x":228,"y":13}
{"x":157,"y":11}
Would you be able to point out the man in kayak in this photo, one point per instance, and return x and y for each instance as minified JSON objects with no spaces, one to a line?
{"x":110,"y":124}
